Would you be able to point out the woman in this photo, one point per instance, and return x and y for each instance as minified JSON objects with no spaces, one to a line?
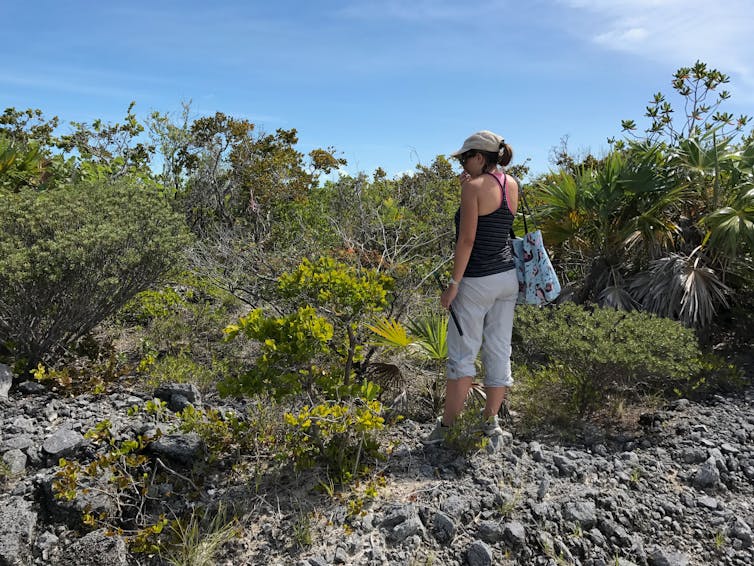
{"x":484,"y":287}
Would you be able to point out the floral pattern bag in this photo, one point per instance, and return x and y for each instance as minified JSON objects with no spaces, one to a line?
{"x":538,"y":282}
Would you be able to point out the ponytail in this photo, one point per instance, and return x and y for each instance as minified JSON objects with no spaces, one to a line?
{"x":505,"y":155}
{"x":502,"y":157}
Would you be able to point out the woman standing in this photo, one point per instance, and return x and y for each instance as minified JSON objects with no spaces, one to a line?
{"x":484,"y":287}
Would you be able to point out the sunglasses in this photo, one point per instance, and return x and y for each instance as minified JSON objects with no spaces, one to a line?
{"x":463,"y":158}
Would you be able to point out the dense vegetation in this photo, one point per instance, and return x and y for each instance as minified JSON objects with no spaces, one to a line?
{"x":232,"y":266}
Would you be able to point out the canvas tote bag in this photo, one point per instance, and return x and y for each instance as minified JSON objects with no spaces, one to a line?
{"x":538,"y":283}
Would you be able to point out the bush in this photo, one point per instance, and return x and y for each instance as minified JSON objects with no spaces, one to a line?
{"x":289,"y":348}
{"x":342,"y":436}
{"x":591,"y":354}
{"x":70,"y":257}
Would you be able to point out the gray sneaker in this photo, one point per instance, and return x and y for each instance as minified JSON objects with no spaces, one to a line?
{"x":437,"y":435}
{"x":491,"y":427}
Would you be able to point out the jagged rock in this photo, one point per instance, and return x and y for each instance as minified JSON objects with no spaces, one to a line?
{"x":566,"y":466}
{"x":741,"y":531}
{"x":21,"y":442}
{"x":443,"y":528}
{"x":490,"y":531}
{"x":479,"y":554}
{"x":659,"y":556}
{"x":707,"y":475}
{"x":535,"y":449}
{"x":456,"y":506}
{"x":401,"y":523}
{"x":6,"y":380}
{"x":15,"y":460}
{"x":46,"y":544}
{"x":31,"y":387}
{"x":178,"y":395}
{"x":183,"y":448}
{"x":62,"y":443}
{"x":96,"y":549}
{"x":581,"y":512}
{"x":515,"y":534}
{"x":18,"y":520}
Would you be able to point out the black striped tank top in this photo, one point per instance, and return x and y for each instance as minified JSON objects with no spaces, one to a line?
{"x":491,"y":252}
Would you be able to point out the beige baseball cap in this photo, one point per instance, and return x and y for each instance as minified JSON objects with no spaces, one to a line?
{"x":483,"y":141}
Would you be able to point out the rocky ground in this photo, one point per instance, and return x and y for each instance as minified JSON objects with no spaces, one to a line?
{"x":676,"y":489}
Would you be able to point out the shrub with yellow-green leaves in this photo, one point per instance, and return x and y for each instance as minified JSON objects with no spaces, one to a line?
{"x":289,"y":349}
{"x":338,"y":435}
{"x":345,"y":294}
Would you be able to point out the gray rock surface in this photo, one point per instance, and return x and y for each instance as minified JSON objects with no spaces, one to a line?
{"x":18,"y":520}
{"x":62,"y":443}
{"x":95,"y":549}
{"x":6,"y":380}
{"x":678,"y":490}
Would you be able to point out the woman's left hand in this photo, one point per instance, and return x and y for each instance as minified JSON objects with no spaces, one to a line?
{"x":448,"y":295}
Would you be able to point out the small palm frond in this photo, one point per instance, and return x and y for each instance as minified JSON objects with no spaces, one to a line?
{"x":431,"y":335}
{"x":659,"y":289}
{"x":732,"y":226}
{"x":390,"y":333}
{"x":476,"y":397}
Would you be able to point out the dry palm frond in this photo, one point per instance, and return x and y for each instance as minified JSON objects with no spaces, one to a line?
{"x":387,"y":376}
{"x":616,"y":296}
{"x":681,"y":287}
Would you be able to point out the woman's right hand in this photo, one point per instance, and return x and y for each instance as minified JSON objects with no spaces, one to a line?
{"x":448,"y":295}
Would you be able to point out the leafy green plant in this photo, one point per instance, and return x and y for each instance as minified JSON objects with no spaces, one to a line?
{"x":289,"y":349}
{"x":128,"y":473}
{"x":70,"y":257}
{"x":302,"y":529}
{"x":465,"y":435}
{"x":222,"y":433}
{"x":582,"y":356}
{"x":344,"y":293}
{"x":339,"y":435}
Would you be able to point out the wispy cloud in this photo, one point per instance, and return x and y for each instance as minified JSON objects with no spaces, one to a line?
{"x":72,"y":85}
{"x":416,"y":11}
{"x":676,"y":32}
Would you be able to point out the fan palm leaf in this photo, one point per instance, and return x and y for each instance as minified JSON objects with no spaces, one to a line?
{"x":732,"y":226}
{"x":430,"y":335}
{"x":681,"y":287}
{"x":390,"y":333}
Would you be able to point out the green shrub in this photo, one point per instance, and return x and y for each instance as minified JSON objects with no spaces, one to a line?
{"x":590,"y":354}
{"x":182,"y":368}
{"x":338,"y":435}
{"x":289,"y":348}
{"x":70,"y":257}
{"x":465,"y":435}
{"x":345,"y":294}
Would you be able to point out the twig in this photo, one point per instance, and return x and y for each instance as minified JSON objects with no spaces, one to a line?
{"x":172,"y":471}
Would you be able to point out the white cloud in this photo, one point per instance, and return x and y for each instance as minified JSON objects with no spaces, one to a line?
{"x":676,"y":32}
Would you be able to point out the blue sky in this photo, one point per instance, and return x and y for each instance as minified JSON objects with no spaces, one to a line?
{"x":388,"y":83}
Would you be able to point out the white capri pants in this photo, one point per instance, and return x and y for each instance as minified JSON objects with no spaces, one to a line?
{"x":484,"y":307}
